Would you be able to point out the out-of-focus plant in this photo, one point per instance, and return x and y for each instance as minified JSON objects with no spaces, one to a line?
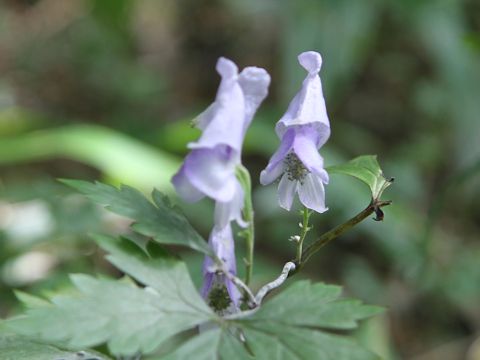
{"x":148,"y":311}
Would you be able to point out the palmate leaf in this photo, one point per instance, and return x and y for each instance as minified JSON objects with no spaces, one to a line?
{"x":159,"y":220}
{"x":367,"y":169}
{"x":296,"y":324}
{"x":15,"y":347}
{"x":306,"y":304}
{"x":127,"y":317}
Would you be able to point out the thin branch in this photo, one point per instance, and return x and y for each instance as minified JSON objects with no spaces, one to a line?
{"x":257,"y":300}
{"x":305,"y":229}
{"x":288,"y":267}
{"x":374,"y":207}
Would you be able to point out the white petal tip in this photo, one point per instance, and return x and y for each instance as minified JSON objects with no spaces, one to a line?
{"x":311,"y":61}
{"x":226,"y":67}
{"x":285,"y":207}
{"x":256,"y":75}
{"x":320,"y":211}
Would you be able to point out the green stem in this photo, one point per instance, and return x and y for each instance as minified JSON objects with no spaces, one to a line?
{"x":323,"y":240}
{"x":249,"y":233}
{"x":305,"y":229}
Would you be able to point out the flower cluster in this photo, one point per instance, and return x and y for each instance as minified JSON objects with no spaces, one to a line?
{"x":209,"y":168}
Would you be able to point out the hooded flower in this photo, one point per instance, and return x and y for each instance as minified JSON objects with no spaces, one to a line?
{"x":303,"y":130}
{"x":215,"y":284}
{"x":209,"y":169}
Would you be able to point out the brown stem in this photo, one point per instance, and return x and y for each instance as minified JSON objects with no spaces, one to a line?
{"x":323,"y":240}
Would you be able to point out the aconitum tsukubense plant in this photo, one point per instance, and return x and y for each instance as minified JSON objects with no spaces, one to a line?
{"x":155,"y":311}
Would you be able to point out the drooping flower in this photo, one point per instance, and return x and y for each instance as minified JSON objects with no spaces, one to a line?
{"x":303,"y":130}
{"x":220,"y":292}
{"x":209,"y":169}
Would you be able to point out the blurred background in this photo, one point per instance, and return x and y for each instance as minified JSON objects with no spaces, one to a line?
{"x":106,"y":89}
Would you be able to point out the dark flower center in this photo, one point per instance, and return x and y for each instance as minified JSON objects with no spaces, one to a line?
{"x":294,"y":168}
{"x":218,"y":298}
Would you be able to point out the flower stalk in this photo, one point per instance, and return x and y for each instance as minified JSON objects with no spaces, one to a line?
{"x":374,"y":207}
{"x":305,"y":228}
{"x":248,"y":233}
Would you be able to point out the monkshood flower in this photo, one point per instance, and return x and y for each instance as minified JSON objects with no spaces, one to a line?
{"x":303,"y":130}
{"x":220,"y":292}
{"x":209,"y":169}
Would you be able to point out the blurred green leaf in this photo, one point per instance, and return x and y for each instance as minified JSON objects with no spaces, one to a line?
{"x":366,"y":169}
{"x":119,"y":157}
{"x":160,"y":220}
{"x":206,"y":346}
{"x":15,"y":347}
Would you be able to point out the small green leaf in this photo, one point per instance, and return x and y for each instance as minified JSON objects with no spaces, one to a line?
{"x":15,"y":347}
{"x":161,"y":220}
{"x":30,"y":301}
{"x":367,"y":169}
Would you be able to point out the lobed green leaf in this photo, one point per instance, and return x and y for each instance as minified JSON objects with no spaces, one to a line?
{"x":307,"y":304}
{"x":15,"y":347}
{"x":160,"y":220}
{"x":129,"y":318}
{"x":367,"y":169}
{"x":295,"y":325}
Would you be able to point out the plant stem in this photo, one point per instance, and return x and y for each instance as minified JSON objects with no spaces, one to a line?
{"x":249,"y":233}
{"x":305,"y":229}
{"x":323,"y":240}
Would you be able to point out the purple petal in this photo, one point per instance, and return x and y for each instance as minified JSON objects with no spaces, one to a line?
{"x":184,"y":187}
{"x":226,"y":68}
{"x":308,"y":106}
{"x":221,"y":241}
{"x":234,"y":293}
{"x":223,"y":121}
{"x":207,"y":284}
{"x":312,"y":193}
{"x":254,"y":83}
{"x":286,"y":192}
{"x":276,"y":166}
{"x":205,"y":118}
{"x":231,"y":210}
{"x":311,"y":61}
{"x":212,"y":172}
{"x":305,"y":148}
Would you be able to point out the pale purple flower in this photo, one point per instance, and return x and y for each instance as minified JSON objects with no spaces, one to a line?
{"x":303,"y":130}
{"x":209,"y":169}
{"x":221,"y":241}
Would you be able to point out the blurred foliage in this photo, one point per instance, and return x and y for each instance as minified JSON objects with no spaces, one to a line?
{"x":104,"y":89}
